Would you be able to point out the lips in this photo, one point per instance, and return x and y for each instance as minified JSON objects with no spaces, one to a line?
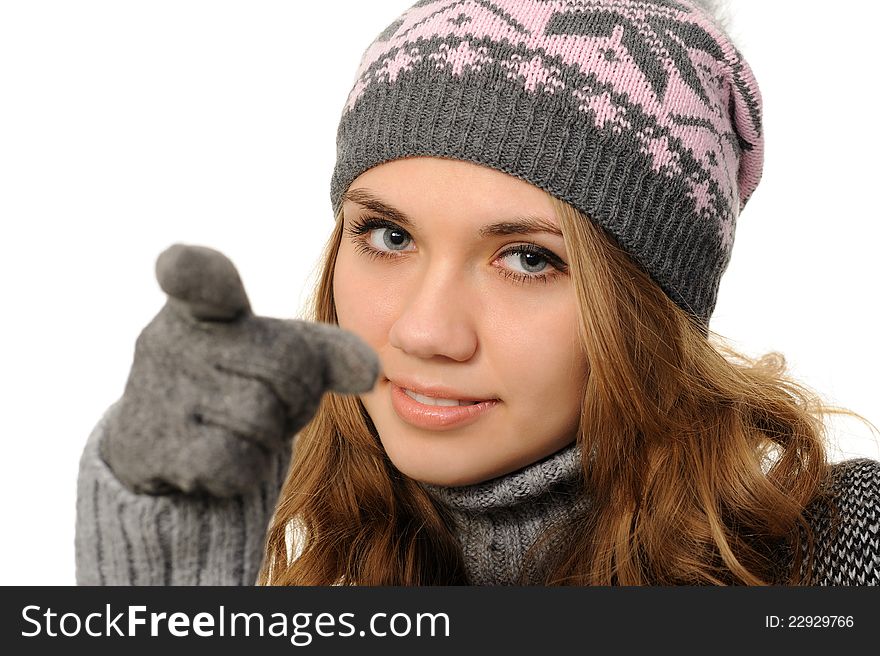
{"x":437,"y":417}
{"x":439,"y":392}
{"x":430,"y":400}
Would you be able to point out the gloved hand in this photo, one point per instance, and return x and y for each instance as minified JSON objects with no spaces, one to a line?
{"x":215,"y":391}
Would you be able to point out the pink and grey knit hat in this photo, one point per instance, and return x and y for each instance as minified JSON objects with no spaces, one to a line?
{"x":640,"y":113}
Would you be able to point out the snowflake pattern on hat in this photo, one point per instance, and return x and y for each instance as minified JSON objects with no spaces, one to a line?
{"x":659,"y":70}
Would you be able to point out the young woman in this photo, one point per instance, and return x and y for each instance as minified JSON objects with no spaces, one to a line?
{"x":534,"y":203}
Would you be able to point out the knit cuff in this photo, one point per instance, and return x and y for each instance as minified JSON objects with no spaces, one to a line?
{"x":483,"y":116}
{"x":124,"y":538}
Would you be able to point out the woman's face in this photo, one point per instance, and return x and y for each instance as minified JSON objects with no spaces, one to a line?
{"x":436,"y":274}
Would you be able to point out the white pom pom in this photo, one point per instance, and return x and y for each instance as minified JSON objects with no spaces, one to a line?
{"x":718,"y":11}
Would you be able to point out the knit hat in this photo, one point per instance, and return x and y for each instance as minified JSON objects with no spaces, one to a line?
{"x":640,"y":113}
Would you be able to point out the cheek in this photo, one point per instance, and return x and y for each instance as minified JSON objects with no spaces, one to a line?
{"x":361,"y":304}
{"x":543,"y":361}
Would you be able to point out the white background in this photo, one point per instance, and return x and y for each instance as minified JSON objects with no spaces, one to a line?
{"x":128,"y":126}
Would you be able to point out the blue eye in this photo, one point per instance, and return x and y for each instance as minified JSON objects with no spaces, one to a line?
{"x":532,"y":259}
{"x":393,"y":236}
{"x":531,"y":255}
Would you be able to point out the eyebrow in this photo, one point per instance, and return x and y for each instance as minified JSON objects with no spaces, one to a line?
{"x":524,"y":225}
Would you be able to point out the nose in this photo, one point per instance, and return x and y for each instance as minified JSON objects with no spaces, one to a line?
{"x":437,"y":317}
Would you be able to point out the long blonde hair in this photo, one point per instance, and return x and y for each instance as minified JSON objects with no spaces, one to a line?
{"x":700,"y":463}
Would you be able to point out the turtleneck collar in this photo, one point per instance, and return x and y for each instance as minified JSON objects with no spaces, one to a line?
{"x":496,"y":521}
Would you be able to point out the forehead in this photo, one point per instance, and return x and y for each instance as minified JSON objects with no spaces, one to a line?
{"x":421,"y":189}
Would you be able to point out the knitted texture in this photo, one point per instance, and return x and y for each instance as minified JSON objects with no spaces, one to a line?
{"x":847,"y":531}
{"x":496,"y":521}
{"x":215,"y":391}
{"x":641,"y":114}
{"x":125,"y":538}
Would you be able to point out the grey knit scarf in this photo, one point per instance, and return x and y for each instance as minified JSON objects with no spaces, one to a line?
{"x":123,"y":538}
{"x":496,"y":521}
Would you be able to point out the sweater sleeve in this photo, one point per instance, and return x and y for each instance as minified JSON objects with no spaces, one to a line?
{"x":847,"y":526}
{"x":125,"y":538}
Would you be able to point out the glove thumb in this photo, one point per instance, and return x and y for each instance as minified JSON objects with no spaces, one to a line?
{"x":203,"y":282}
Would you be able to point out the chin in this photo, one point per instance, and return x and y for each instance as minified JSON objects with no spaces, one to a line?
{"x":423,"y":468}
{"x":445,"y":481}
{"x":427,"y":472}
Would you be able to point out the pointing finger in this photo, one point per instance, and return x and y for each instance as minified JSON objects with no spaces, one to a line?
{"x":351,"y":365}
{"x":300,"y":360}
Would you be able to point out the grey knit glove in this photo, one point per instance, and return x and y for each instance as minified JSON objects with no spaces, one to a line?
{"x":215,"y":391}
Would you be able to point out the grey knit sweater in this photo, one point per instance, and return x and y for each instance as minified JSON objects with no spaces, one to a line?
{"x":124,"y":538}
